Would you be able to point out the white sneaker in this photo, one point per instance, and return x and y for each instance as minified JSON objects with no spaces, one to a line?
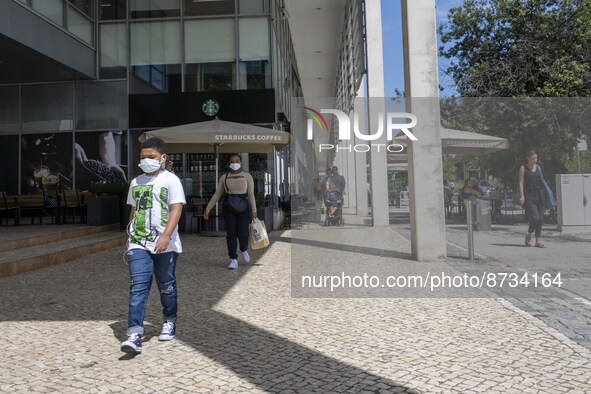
{"x":168,"y":331}
{"x":233,"y":264}
{"x":246,"y":256}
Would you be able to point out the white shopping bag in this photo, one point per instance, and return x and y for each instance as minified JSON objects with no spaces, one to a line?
{"x":258,"y":234}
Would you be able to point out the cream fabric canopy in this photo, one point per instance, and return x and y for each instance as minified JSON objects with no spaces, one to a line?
{"x":229,"y":137}
{"x":458,"y":142}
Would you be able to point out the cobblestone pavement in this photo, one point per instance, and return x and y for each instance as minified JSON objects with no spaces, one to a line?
{"x":566,"y":308}
{"x":242,"y":331}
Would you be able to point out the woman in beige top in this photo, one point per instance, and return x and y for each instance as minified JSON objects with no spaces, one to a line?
{"x":239,"y":183}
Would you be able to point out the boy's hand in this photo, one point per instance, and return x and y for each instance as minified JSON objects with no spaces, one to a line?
{"x":161,"y":244}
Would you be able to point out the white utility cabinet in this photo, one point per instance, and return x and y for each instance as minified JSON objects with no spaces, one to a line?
{"x":573,"y":196}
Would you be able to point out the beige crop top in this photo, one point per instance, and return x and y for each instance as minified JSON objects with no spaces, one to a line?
{"x":239,"y":183}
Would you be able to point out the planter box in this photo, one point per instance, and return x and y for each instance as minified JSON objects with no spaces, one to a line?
{"x":103,"y":210}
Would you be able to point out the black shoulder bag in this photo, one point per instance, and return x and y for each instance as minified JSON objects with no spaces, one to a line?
{"x":236,"y":203}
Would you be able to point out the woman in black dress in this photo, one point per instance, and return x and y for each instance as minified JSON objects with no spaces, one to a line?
{"x":532,"y":197}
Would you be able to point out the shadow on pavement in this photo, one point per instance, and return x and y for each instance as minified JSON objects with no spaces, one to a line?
{"x":96,"y":288}
{"x":349,"y":248}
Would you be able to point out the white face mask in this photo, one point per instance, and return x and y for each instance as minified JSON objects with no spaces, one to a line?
{"x":150,"y":165}
{"x":235,"y":166}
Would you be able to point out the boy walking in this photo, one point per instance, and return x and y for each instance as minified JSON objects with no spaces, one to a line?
{"x":156,"y":198}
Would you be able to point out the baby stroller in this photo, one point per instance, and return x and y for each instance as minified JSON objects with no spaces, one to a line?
{"x":334,"y":209}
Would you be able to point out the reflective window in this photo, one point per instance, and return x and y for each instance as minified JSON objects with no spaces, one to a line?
{"x":210,"y":76}
{"x":112,"y":9}
{"x":86,"y":6}
{"x":255,"y":70}
{"x":253,"y":6}
{"x":210,"y":55}
{"x":156,"y":78}
{"x":100,"y":157}
{"x":9,"y":164}
{"x":48,"y":107}
{"x":101,"y":105}
{"x":79,"y":25}
{"x":113,"y":50}
{"x":140,"y":9}
{"x":209,"y":7}
{"x":51,"y":9}
{"x":155,"y":57}
{"x":46,"y":162}
{"x":255,"y":75}
{"x":9,"y":112}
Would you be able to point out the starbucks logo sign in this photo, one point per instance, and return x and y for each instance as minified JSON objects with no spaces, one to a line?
{"x":210,"y":107}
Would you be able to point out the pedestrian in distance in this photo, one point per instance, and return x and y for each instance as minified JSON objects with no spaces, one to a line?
{"x":470,"y":189}
{"x":532,"y":197}
{"x":156,"y":198}
{"x":236,"y":184}
{"x":336,"y":182}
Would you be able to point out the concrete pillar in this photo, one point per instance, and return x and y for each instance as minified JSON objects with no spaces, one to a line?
{"x":351,"y":196}
{"x":360,"y":158}
{"x":375,"y":90}
{"x":425,"y":168}
{"x":245,"y":162}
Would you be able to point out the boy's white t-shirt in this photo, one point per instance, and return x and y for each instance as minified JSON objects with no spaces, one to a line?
{"x":152,"y":197}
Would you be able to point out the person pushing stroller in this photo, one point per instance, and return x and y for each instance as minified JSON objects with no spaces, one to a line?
{"x":335,"y":188}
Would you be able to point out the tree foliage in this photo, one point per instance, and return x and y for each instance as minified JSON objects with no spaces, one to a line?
{"x":518,"y":48}
{"x":525,"y":49}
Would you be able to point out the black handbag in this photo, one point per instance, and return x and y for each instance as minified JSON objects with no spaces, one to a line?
{"x":236,"y":203}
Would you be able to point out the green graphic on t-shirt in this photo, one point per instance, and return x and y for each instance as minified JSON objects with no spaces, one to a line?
{"x":143,"y":202}
{"x":164,"y":206}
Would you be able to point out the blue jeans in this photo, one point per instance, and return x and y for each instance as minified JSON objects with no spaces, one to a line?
{"x":142,"y":265}
{"x":236,"y":228}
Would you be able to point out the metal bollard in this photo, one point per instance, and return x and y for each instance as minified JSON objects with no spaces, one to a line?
{"x":469,"y":222}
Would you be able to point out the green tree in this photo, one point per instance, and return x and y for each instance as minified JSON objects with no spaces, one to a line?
{"x":522,"y":49}
{"x":518,"y":48}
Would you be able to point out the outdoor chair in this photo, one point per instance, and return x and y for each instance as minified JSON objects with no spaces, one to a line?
{"x":73,"y":202}
{"x":198,"y":206}
{"x":8,"y":208}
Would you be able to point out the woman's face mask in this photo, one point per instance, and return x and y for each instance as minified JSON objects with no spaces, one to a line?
{"x":151,"y":165}
{"x":235,"y":166}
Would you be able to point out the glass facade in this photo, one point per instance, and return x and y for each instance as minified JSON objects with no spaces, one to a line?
{"x":155,"y":57}
{"x":75,"y":16}
{"x":255,"y":72}
{"x":9,"y":110}
{"x":48,"y":107}
{"x":51,"y":9}
{"x":79,"y":130}
{"x":208,"y":7}
{"x":101,"y":105}
{"x":253,"y":7}
{"x":79,"y":25}
{"x":210,"y":55}
{"x":112,"y":10}
{"x":113,"y":50}
{"x":143,"y":9}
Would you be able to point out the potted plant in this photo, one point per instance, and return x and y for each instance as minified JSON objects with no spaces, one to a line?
{"x":109,"y":205}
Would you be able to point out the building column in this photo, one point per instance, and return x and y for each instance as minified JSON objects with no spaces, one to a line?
{"x":376,"y":104}
{"x":351,"y":176}
{"x":360,"y":159}
{"x":425,"y":167}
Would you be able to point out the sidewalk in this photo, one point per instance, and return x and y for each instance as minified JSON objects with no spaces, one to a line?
{"x":566,"y":308}
{"x":243,"y":331}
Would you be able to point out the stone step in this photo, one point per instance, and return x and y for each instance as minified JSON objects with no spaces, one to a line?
{"x":29,"y":236}
{"x":22,"y":260}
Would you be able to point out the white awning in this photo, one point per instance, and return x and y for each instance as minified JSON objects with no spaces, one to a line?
{"x":229,"y":137}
